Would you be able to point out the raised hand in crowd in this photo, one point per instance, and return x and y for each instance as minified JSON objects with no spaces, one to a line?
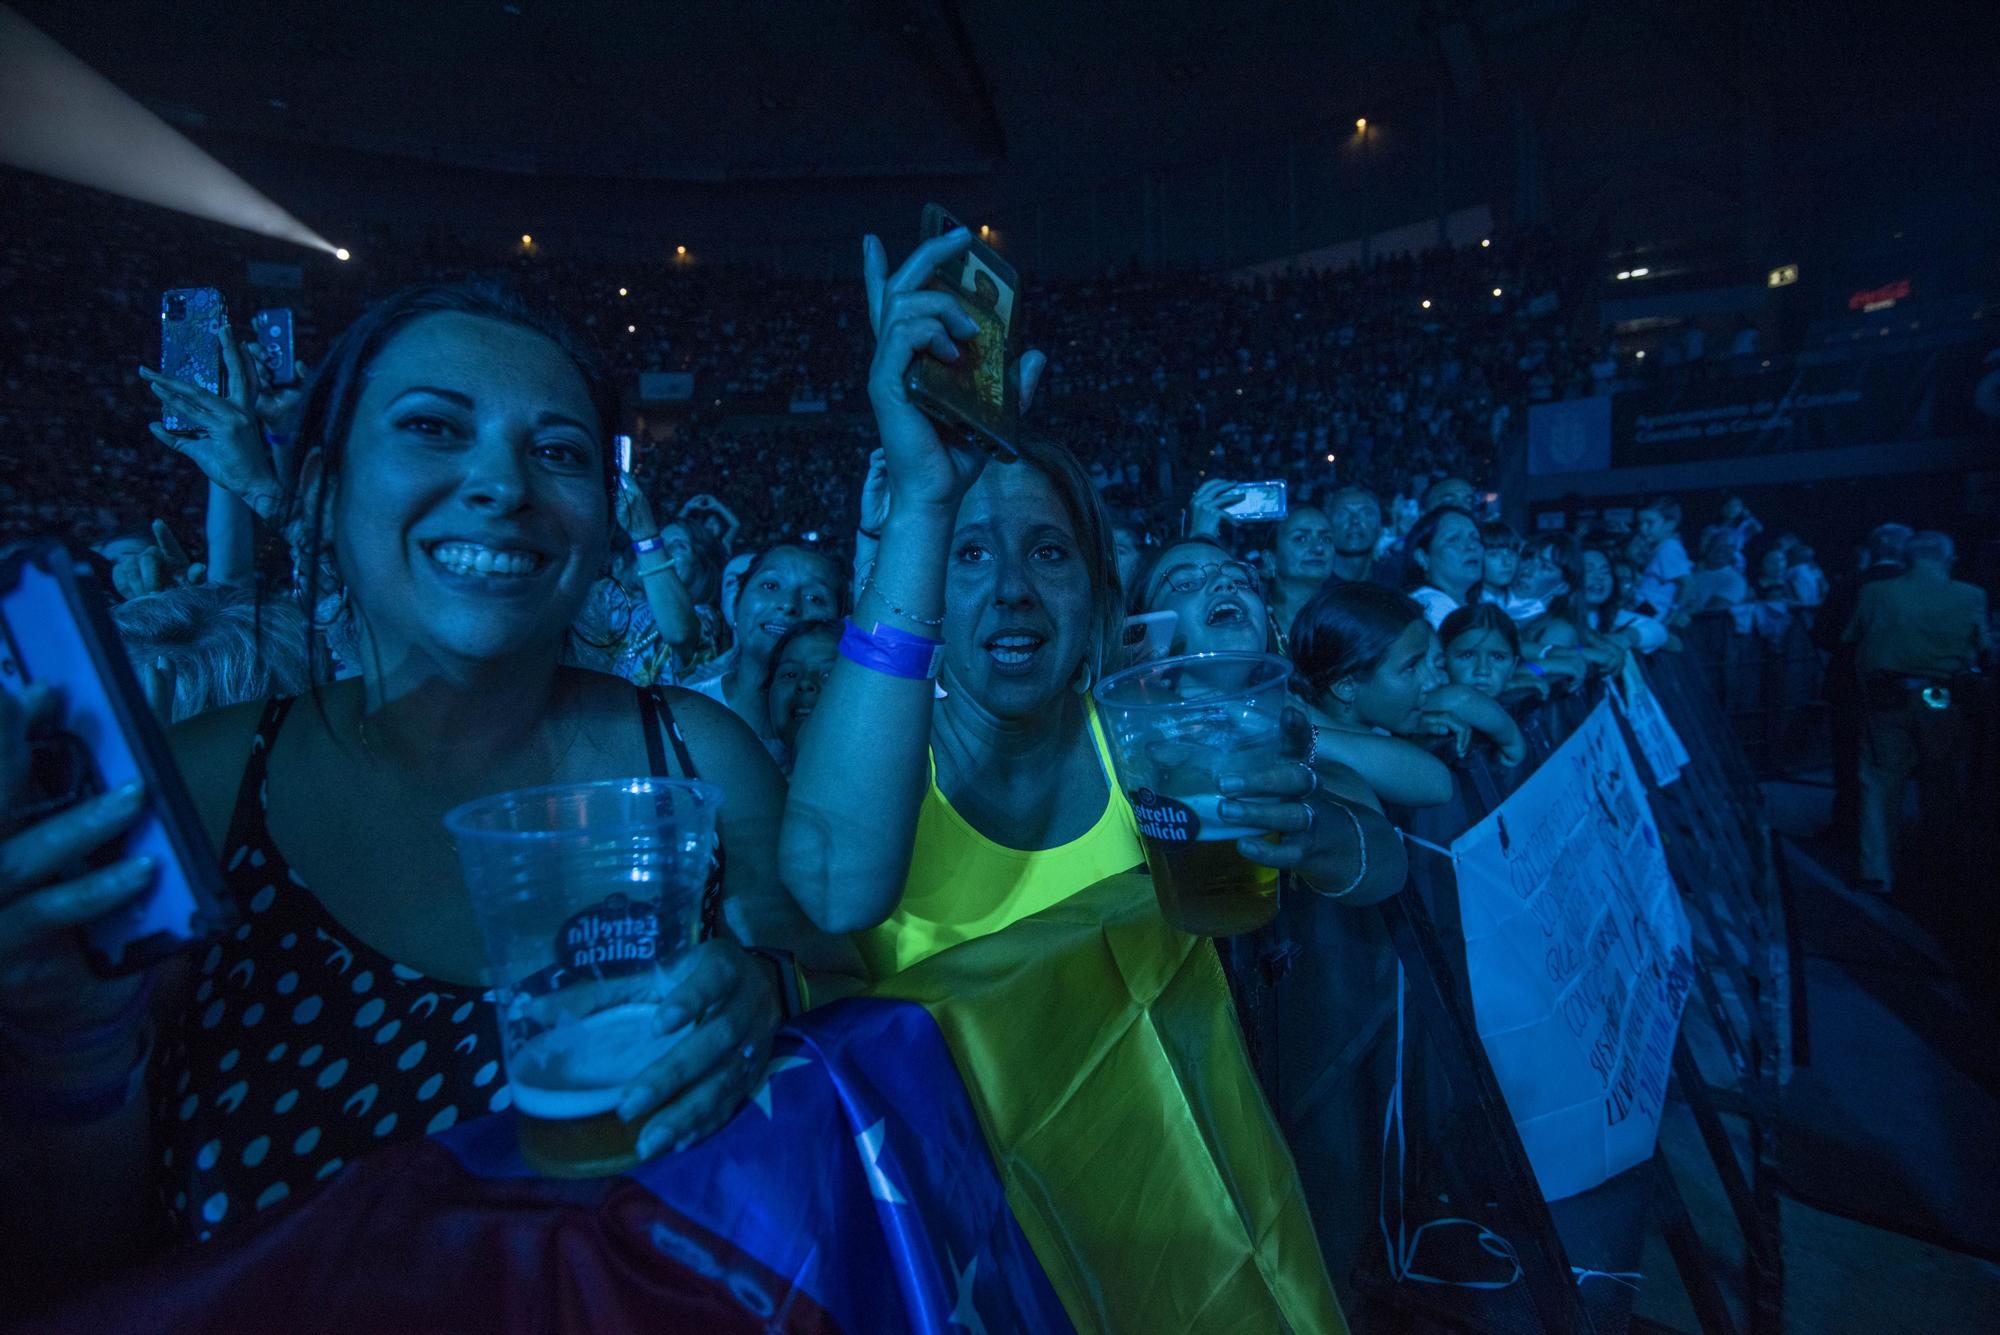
{"x":164,"y":564}
{"x":223,"y":435}
{"x":1206,"y":509}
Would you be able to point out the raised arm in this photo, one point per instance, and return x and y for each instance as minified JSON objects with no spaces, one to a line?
{"x":858,"y":781}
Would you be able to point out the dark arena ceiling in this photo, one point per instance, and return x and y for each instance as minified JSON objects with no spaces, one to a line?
{"x":738,"y":89}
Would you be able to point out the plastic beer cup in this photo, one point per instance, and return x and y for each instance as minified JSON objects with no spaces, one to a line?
{"x":1177,"y":726}
{"x":588,"y":896}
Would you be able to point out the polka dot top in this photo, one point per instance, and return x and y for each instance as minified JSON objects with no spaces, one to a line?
{"x":304,"y":1048}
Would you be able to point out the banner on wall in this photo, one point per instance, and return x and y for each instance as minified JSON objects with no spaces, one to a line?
{"x":1665,"y":755}
{"x":1827,"y":402}
{"x":1578,"y":956}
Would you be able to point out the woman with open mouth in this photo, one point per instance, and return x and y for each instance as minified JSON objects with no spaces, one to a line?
{"x":1217,"y":600}
{"x":993,"y":606}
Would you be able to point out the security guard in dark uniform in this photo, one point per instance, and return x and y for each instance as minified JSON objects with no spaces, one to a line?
{"x":1917,"y":638}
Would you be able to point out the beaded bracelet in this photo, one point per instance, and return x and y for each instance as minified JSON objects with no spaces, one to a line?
{"x":869,"y":583}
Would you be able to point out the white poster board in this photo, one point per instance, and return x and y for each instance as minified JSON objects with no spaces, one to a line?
{"x":1656,"y":736}
{"x":1578,"y":956}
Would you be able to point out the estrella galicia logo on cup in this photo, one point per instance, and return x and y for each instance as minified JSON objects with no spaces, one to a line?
{"x":616,"y":935}
{"x":1162,"y":818}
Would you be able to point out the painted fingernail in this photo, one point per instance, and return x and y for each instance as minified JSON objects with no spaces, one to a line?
{"x":139,"y":870}
{"x":684,"y":1142}
{"x":652,"y":1141}
{"x":1231,"y":783}
{"x":1229,"y":810}
{"x":128,"y":793}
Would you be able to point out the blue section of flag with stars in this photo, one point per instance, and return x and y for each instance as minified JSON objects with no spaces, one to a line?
{"x":856,"y":1173}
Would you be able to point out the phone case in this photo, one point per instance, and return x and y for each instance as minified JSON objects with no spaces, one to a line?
{"x":1262,"y":501}
{"x":190,"y":320}
{"x":274,"y":343}
{"x":976,"y":393}
{"x":56,"y":631}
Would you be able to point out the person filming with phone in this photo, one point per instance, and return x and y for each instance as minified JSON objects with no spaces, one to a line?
{"x":460,"y":442}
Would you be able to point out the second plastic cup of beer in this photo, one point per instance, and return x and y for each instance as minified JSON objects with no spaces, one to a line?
{"x":1177,"y":726}
{"x":589,"y":897}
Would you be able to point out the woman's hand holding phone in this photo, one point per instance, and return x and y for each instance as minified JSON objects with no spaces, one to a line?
{"x":1210,"y":505}
{"x":225,"y":437}
{"x":910,"y":320}
{"x":46,"y":984}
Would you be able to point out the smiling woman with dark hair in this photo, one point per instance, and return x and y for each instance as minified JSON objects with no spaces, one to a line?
{"x":461,"y":443}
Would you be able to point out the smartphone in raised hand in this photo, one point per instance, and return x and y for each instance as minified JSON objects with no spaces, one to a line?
{"x":273,"y":330}
{"x":1261,"y":503}
{"x":192,"y":320}
{"x":56,"y":631}
{"x":977,"y":393}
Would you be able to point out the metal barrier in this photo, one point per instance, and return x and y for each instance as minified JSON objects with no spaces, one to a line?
{"x":1767,"y":679}
{"x":1319,"y":992}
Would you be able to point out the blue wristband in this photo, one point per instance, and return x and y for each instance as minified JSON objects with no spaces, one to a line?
{"x":652,"y":544}
{"x":895,"y":653}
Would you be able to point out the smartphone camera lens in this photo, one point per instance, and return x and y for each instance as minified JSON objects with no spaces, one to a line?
{"x":177,"y":308}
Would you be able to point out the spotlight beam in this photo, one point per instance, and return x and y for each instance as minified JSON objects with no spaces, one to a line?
{"x":62,"y":118}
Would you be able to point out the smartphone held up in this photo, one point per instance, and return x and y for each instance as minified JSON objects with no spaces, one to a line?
{"x":56,"y":633}
{"x":192,"y":325}
{"x":979,"y":393}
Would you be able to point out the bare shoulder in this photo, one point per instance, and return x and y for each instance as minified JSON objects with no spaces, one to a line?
{"x":211,"y":750}
{"x":716,"y":737}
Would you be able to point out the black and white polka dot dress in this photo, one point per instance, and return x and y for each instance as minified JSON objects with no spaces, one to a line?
{"x":304,"y":1048}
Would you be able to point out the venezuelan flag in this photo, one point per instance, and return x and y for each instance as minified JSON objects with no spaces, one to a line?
{"x":1100,"y":1048}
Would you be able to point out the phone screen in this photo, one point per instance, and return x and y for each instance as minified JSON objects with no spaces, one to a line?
{"x":1261,"y":501}
{"x":977,"y":392}
{"x":624,"y":446}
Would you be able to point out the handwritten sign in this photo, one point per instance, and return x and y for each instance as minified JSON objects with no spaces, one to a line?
{"x":1578,"y":956}
{"x":1656,"y":736}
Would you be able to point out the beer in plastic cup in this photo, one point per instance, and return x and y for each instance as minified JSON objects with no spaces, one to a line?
{"x":1177,"y":726}
{"x":589,"y":897}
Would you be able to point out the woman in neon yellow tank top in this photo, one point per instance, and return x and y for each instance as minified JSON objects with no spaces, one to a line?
{"x":921,"y":816}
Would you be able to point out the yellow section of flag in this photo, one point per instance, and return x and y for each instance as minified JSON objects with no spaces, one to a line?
{"x":1101,"y":1050}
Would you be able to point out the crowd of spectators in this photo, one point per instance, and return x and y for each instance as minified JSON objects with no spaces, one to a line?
{"x":1387,"y":375}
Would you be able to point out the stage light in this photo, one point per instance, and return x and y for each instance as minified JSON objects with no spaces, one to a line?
{"x":1426,"y":303}
{"x":680,"y":250}
{"x":1361,"y":124}
{"x":1624,"y":274}
{"x":341,"y":254}
{"x":527,"y":240}
{"x":63,"y":119}
{"x":1496,"y":291}
{"x":1485,"y":241}
{"x":1640,"y":273}
{"x":1329,"y":458}
{"x":631,"y":329}
{"x":1640,"y":354}
{"x":984,"y":230}
{"x":621,"y":291}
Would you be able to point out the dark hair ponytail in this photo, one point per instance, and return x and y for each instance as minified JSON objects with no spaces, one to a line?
{"x":1346,"y":630}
